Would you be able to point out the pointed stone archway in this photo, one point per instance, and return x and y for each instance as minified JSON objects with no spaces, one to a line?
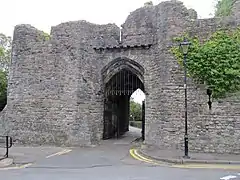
{"x":121,"y":78}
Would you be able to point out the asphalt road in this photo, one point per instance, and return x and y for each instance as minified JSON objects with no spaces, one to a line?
{"x":110,"y":161}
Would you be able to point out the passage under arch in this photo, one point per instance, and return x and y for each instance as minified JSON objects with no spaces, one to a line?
{"x":121,"y":78}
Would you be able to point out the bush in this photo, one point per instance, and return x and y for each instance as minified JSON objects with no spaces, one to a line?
{"x":135,"y":111}
{"x":137,"y":124}
{"x":215,"y":62}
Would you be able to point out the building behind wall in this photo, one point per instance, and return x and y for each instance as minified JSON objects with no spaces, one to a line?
{"x":56,"y":84}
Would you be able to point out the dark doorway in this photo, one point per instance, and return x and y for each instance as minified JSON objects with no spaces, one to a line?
{"x":118,"y":91}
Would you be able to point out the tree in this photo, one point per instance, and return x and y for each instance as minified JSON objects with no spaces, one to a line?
{"x":5,"y":57}
{"x":135,"y":111}
{"x":224,"y":7}
{"x":3,"y":89}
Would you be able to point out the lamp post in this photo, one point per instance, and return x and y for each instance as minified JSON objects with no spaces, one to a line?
{"x":184,"y":49}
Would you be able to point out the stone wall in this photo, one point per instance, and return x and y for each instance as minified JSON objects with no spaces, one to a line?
{"x":53,"y":85}
{"x":218,"y":129}
{"x":55,"y":93}
{"x":236,"y":8}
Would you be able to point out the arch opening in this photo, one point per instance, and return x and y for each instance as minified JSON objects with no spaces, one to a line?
{"x":117,"y":98}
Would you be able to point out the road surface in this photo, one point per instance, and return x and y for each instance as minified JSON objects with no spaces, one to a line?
{"x":109,"y":161}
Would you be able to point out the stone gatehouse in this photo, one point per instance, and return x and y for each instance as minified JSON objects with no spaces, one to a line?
{"x":58,"y":86}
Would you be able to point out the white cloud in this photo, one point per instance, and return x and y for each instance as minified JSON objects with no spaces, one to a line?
{"x":46,"y":13}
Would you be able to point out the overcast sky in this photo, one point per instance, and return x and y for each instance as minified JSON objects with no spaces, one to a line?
{"x":43,"y":14}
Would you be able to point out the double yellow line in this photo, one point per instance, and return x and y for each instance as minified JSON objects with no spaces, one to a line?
{"x":134,"y":153}
{"x":208,"y":166}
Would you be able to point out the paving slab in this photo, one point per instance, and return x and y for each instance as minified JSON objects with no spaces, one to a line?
{"x":177,"y":156}
{"x":23,"y":155}
{"x":6,"y":162}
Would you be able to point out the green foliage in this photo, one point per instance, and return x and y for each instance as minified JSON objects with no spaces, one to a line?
{"x":42,"y":36}
{"x":215,"y":62}
{"x":46,"y":36}
{"x":223,"y":7}
{"x":5,"y":57}
{"x":3,"y":89}
{"x":137,"y":124}
{"x":5,"y":52}
{"x":135,"y":111}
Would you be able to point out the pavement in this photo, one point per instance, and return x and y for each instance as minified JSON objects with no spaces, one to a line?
{"x":176,"y":156}
{"x":6,"y":162}
{"x":20,"y":155}
{"x":110,"y":160}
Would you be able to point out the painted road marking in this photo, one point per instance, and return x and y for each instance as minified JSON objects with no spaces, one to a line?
{"x":29,"y":164}
{"x":134,"y":153}
{"x":228,"y":177}
{"x":60,"y":153}
{"x":17,"y":167}
{"x":207,"y":166}
{"x":25,"y":166}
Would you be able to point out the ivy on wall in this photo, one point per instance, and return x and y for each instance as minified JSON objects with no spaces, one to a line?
{"x":215,"y":62}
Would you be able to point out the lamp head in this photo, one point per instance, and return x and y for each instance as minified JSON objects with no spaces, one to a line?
{"x":209,"y":92}
{"x":184,"y":46}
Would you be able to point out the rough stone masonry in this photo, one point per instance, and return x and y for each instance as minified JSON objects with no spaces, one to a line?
{"x":55,"y":87}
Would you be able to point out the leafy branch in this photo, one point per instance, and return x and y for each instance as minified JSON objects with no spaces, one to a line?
{"x":215,"y":62}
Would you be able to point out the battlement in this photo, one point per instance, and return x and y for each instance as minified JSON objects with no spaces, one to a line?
{"x":138,"y":30}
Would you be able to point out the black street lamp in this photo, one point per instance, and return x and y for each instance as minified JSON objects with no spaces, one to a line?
{"x":184,"y":49}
